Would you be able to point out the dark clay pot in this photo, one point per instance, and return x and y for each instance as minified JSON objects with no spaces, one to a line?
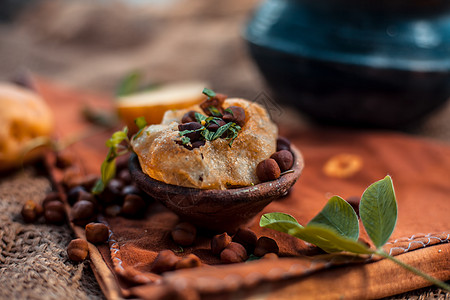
{"x":358,"y":63}
{"x":216,"y":210}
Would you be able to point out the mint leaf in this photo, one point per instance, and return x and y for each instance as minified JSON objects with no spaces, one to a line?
{"x":185,"y":140}
{"x":221,"y":130}
{"x":184,"y":132}
{"x":228,"y":110}
{"x":378,"y":211}
{"x":199,"y":117}
{"x":209,"y":93}
{"x":214,"y":111}
{"x":340,"y":216}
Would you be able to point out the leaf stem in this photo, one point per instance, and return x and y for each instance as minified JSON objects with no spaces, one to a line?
{"x":431,"y":279}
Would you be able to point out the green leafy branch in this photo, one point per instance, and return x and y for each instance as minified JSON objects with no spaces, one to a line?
{"x":118,"y":144}
{"x":336,"y":227}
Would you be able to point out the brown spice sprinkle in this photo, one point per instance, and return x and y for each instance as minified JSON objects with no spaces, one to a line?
{"x":343,"y":165}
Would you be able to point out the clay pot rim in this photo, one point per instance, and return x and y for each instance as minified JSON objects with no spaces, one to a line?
{"x":269,"y":189}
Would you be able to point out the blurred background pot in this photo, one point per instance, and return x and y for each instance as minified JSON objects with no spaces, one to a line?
{"x":359,"y":63}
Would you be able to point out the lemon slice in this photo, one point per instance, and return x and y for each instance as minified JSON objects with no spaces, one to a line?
{"x":154,"y":103}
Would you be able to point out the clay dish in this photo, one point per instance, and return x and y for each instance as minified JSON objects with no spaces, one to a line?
{"x":217,"y":210}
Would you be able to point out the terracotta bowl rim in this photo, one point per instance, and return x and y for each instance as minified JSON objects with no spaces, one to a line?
{"x":267,"y":187}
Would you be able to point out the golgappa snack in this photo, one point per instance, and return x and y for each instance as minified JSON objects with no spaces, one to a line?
{"x":215,"y":145}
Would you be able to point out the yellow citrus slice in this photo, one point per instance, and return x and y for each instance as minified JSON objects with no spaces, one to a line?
{"x":154,"y":103}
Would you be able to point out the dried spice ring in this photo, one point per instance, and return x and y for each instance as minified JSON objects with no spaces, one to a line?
{"x":343,"y":165}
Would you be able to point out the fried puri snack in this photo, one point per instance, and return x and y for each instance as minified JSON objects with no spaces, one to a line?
{"x":216,"y":165}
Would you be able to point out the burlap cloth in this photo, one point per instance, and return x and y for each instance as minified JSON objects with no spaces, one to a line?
{"x":33,"y":259}
{"x":420,"y":169}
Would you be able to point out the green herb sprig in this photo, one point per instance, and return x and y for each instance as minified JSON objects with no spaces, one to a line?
{"x":209,"y":93}
{"x":118,"y":144}
{"x":336,"y":227}
{"x":231,"y":130}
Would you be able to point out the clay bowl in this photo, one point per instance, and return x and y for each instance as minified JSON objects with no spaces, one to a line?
{"x":216,"y":210}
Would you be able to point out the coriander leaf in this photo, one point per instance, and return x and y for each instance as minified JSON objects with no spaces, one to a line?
{"x":228,"y":110}
{"x":378,"y":211}
{"x":184,"y":132}
{"x":207,"y":134}
{"x":214,"y":111}
{"x":340,"y":216}
{"x":199,"y":117}
{"x":209,"y":93}
{"x":185,"y":140}
{"x":233,"y":133}
{"x":221,"y":130}
{"x":213,"y":120}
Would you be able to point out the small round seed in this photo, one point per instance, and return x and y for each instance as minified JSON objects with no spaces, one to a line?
{"x":266,"y":245}
{"x":78,"y":250}
{"x":268,"y":170}
{"x":97,"y":233}
{"x":184,"y":234}
{"x":284,"y":159}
